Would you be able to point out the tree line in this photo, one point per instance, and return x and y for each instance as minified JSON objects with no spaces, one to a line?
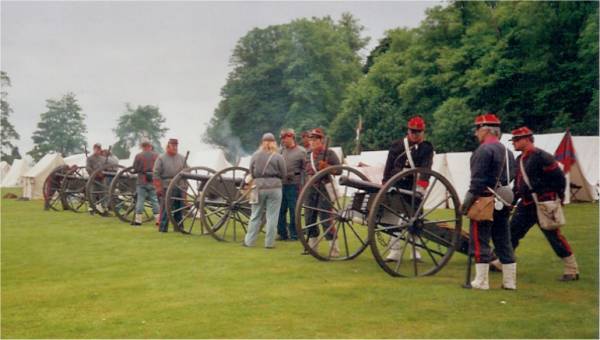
{"x":62,"y":129}
{"x":532,"y":63}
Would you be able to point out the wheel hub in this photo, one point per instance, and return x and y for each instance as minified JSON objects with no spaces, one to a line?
{"x":416,"y":227}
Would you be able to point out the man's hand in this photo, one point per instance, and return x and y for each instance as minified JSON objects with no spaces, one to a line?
{"x":467,"y":203}
{"x":323,"y":165}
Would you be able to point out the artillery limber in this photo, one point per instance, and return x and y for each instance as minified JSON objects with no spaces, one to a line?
{"x":422,"y":229}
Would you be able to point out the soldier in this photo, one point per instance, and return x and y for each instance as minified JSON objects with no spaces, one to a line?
{"x":490,"y":168}
{"x":166,"y":167}
{"x":319,"y":158}
{"x":294,"y":156}
{"x":143,"y":165}
{"x":548,"y":182}
{"x":93,"y":163}
{"x":420,"y":156}
{"x":96,"y":160}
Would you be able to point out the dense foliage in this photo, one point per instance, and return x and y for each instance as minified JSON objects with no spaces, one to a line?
{"x":61,"y":129}
{"x":291,"y":75}
{"x":8,"y":134}
{"x":532,"y":63}
{"x":133,"y":124}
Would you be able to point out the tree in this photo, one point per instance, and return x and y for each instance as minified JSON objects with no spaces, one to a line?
{"x":532,"y":63}
{"x":133,"y":124}
{"x":61,"y":129}
{"x":453,"y":127}
{"x":291,"y":75}
{"x":8,"y":134}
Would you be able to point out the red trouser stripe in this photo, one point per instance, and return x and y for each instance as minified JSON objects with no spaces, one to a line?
{"x":476,"y":241}
{"x":563,"y":240}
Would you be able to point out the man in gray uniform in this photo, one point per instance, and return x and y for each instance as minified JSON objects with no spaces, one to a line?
{"x":166,"y":167}
{"x":143,"y":165}
{"x":93,"y":163}
{"x":96,"y":160}
{"x":294,"y":156}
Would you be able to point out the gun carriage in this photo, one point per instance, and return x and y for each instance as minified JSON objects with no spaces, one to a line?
{"x":97,"y":188}
{"x":341,"y":205}
{"x":215,"y":203}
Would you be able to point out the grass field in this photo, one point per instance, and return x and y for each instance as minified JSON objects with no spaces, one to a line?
{"x":67,"y":275}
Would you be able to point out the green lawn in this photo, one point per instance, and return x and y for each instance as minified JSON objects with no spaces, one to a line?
{"x":67,"y":275}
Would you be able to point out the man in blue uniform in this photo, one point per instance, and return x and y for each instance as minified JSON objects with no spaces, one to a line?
{"x":548,"y":183}
{"x":420,"y":156}
{"x":491,"y":165}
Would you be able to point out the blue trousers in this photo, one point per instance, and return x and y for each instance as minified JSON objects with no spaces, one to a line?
{"x":524,"y":218}
{"x":288,"y":202}
{"x":146,"y":191}
{"x":498,"y":231}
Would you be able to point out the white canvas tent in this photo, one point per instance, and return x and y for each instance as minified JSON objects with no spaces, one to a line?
{"x":4,"y":168}
{"x":78,"y":160}
{"x":14,"y":176}
{"x":582,"y":179}
{"x":33,"y":180}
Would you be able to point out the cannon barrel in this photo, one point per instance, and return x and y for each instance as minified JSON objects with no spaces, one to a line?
{"x":205,"y":178}
{"x":202,"y":178}
{"x":370,"y":187}
{"x":367,"y":186}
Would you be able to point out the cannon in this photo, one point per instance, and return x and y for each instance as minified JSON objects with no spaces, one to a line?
{"x":224,"y":205}
{"x":97,"y":188}
{"x":421,"y":229}
{"x":52,"y":189}
{"x":201,"y":201}
{"x":122,"y":196}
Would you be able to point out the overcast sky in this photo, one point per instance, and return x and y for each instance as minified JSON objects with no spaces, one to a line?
{"x":171,"y":54}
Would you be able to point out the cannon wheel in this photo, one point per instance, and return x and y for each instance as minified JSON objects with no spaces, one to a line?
{"x":428,"y":231}
{"x":52,"y":188}
{"x":97,"y":189}
{"x":122,"y":197}
{"x":347,"y":226}
{"x":191,"y":182}
{"x":73,"y":190}
{"x":224,"y":205}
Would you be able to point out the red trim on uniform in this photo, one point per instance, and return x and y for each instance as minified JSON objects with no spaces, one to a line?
{"x":422,"y":183}
{"x":563,"y":240}
{"x":476,"y":241}
{"x":551,"y":167}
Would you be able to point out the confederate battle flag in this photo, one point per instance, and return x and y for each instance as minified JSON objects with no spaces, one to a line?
{"x":565,"y":153}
